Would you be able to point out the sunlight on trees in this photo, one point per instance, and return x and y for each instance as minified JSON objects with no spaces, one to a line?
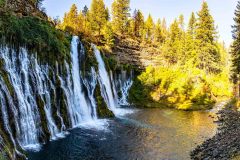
{"x":195,"y":68}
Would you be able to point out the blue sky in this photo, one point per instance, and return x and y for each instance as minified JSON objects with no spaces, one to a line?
{"x":222,"y":10}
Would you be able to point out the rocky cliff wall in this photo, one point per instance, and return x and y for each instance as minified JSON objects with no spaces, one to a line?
{"x":131,"y":52}
{"x":23,"y":8}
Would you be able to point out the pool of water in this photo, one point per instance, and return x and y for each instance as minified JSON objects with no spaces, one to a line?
{"x":147,"y":134}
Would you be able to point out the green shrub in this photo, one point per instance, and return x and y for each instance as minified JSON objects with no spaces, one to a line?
{"x":183,"y":88}
{"x":37,"y":35}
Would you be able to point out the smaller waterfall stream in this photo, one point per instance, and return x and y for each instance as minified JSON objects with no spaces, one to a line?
{"x":122,"y":83}
{"x":90,"y":84}
{"x":104,"y":81}
{"x":108,"y":89}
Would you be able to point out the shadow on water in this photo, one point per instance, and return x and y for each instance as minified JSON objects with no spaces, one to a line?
{"x":156,"y":134}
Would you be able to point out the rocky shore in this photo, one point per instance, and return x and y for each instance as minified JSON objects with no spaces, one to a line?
{"x":225,"y":144}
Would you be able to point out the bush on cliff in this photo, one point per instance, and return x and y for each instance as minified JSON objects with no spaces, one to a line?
{"x":37,"y":35}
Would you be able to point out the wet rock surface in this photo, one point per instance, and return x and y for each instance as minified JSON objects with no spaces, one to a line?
{"x":225,"y":144}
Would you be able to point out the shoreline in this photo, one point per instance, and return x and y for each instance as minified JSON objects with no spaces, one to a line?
{"x":224,"y":145}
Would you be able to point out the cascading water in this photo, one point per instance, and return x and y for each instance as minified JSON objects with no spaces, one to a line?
{"x":108,"y":89}
{"x":105,"y":84}
{"x":31,"y":84}
{"x":81,"y":106}
{"x":31,"y":97}
{"x":122,"y":82}
{"x":28,"y":112}
{"x":90,"y":84}
{"x":42,"y":81}
{"x":4,"y":90}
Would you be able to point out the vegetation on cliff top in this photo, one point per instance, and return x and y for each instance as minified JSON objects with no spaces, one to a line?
{"x":36,"y":34}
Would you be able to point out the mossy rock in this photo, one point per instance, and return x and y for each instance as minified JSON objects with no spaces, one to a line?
{"x":40,"y":104}
{"x":61,"y":103}
{"x":5,"y":77}
{"x":102,"y":109}
{"x":89,"y":59}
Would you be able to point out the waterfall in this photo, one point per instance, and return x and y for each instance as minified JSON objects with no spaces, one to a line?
{"x":90,"y":84}
{"x":37,"y":102}
{"x":79,"y":107}
{"x":42,"y":81}
{"x":31,"y":84}
{"x":122,"y":82}
{"x":108,"y":88}
{"x":17,"y":66}
{"x":5,"y":118}
{"x":105,"y":83}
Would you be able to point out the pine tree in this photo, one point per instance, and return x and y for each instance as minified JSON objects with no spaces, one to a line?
{"x":158,"y":33}
{"x":149,"y":27}
{"x":70,"y":20}
{"x":85,"y":10}
{"x":208,"y":56}
{"x":137,"y":23}
{"x":181,"y":22}
{"x":182,"y":40}
{"x":172,"y":45}
{"x":108,"y":35}
{"x":190,"y":39}
{"x":84,"y":20}
{"x":192,"y":25}
{"x":120,"y":15}
{"x":235,"y":50}
{"x":164,"y":29}
{"x":98,"y":17}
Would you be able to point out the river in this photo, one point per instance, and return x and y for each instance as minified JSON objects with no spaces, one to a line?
{"x":147,"y":134}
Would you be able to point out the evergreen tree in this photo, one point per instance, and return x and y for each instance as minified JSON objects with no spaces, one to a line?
{"x":235,"y":50}
{"x":158,"y":33}
{"x":164,"y":29}
{"x":108,"y":35}
{"x":192,"y":25}
{"x":84,"y":19}
{"x":120,"y":15}
{"x":98,"y":16}
{"x":190,"y":39}
{"x":149,"y":27}
{"x":172,"y":45}
{"x":182,"y":40}
{"x":137,"y":23}
{"x":208,"y":56}
{"x":85,"y":10}
{"x":181,"y":22}
{"x":70,"y":20}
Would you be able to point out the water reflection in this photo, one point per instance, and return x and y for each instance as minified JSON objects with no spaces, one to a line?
{"x":153,"y":134}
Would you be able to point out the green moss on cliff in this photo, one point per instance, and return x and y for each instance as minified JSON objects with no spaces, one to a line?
{"x":44,"y":125}
{"x":2,"y":3}
{"x":37,"y":35}
{"x":3,"y":156}
{"x":61,"y":103}
{"x":5,"y":77}
{"x":89,"y":59}
{"x":102,"y":109}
